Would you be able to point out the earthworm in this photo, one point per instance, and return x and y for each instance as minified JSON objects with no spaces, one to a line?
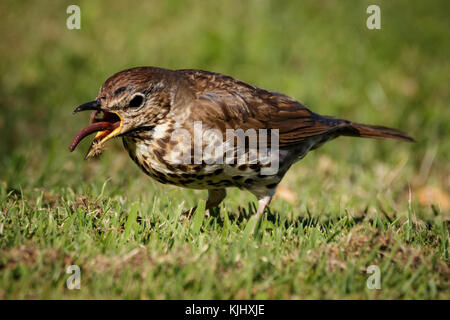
{"x":97,"y":126}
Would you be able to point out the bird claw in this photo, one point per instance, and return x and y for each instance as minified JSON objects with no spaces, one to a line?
{"x":187,"y":214}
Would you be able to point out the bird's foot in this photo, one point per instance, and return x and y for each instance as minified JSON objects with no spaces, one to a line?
{"x":211,"y":212}
{"x":187,"y":214}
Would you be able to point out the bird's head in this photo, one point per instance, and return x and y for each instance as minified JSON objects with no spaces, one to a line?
{"x":129,"y":101}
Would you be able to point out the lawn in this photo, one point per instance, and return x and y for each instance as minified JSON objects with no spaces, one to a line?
{"x":351,"y":204}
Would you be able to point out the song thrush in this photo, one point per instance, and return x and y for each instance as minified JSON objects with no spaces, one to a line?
{"x":148,"y":105}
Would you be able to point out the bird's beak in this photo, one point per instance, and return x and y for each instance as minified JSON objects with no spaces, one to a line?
{"x":91,"y":105}
{"x":107,"y":127}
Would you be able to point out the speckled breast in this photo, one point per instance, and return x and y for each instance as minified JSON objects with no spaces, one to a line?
{"x":160,"y":159}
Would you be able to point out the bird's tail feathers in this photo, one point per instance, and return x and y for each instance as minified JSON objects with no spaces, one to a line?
{"x":369,"y":131}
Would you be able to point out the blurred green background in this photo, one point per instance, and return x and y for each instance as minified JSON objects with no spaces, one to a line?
{"x":319,"y":52}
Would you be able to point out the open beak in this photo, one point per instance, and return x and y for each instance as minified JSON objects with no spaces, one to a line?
{"x":107,"y":126}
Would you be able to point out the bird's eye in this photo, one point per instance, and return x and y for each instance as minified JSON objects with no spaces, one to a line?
{"x":136,"y":101}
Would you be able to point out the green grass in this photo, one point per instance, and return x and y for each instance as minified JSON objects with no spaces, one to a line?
{"x":351,"y":204}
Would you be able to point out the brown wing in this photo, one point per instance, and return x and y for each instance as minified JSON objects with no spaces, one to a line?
{"x":226,"y":103}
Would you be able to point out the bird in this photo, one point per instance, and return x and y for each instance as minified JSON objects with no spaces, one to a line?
{"x":157,"y":112}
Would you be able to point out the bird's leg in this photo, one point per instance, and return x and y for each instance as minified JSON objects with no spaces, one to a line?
{"x":263,"y":202}
{"x":215,"y":197}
